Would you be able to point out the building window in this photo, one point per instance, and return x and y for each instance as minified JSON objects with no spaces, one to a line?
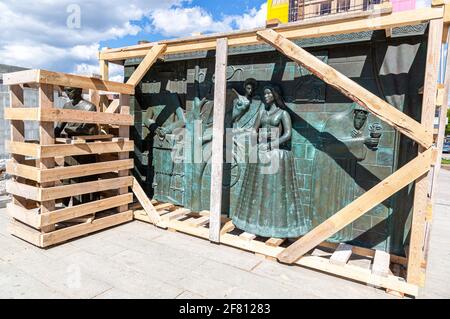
{"x":343,"y":5}
{"x":325,"y":8}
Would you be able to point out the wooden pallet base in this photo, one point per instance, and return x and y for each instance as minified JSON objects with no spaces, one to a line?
{"x":336,"y":263}
{"x":61,"y":235}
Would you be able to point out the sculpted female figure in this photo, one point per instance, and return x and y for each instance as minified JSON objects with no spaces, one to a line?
{"x":269,"y":202}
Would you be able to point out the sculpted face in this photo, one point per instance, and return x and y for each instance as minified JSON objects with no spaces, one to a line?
{"x":249,"y":90}
{"x":359,"y":119}
{"x":73,"y":93}
{"x":268,"y":96}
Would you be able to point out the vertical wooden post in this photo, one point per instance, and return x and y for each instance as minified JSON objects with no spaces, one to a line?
{"x":442,"y":120}
{"x":46,"y":137}
{"x":17,"y":133}
{"x":104,"y":70}
{"x":124,"y":132}
{"x":218,"y":138}
{"x":422,"y":185}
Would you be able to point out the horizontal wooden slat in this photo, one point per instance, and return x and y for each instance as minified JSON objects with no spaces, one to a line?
{"x":32,"y":218}
{"x":51,"y":193}
{"x":85,"y":209}
{"x":302,"y":29}
{"x":71,"y":232}
{"x":23,"y":190}
{"x":27,"y":216}
{"x":23,"y":148}
{"x":25,"y":232}
{"x":342,"y":254}
{"x":66,"y":115}
{"x":59,"y":173}
{"x":68,"y":80}
{"x":57,"y":150}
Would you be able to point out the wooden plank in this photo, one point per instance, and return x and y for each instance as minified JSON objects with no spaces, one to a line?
{"x":85,"y":188}
{"x":94,"y":137}
{"x":22,"y":190}
{"x":22,"y":170}
{"x":421,"y":190}
{"x":342,"y":254}
{"x":366,"y":252}
{"x":71,"y":232}
{"x":146,"y":203}
{"x":228,"y":227}
{"x":63,"y":79}
{"x":113,"y":107}
{"x":197,"y":222}
{"x":275,"y":242}
{"x":69,"y":213}
{"x":66,"y":115}
{"x":25,"y":232}
{"x":104,"y":70}
{"x":27,"y":216}
{"x":218,"y":139}
{"x":56,"y":192}
{"x":58,"y":150}
{"x":176,"y":214}
{"x":46,"y":137}
{"x":381,"y":263}
{"x":20,"y":148}
{"x":60,"y":173}
{"x":22,"y":114}
{"x":376,"y":195}
{"x":374,"y":104}
{"x":247,"y":236}
{"x":317,"y":27}
{"x":124,"y":132}
{"x":16,"y":96}
{"x":164,"y":206}
{"x":146,"y":64}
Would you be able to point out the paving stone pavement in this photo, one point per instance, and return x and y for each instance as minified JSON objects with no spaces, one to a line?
{"x":137,"y":260}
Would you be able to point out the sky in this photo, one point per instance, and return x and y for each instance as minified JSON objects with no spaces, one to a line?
{"x":65,"y":35}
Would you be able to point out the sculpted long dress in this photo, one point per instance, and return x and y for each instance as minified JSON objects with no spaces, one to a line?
{"x":334,"y":185}
{"x":269,"y":202}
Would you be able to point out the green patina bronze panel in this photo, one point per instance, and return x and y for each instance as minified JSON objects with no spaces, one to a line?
{"x":327,"y":150}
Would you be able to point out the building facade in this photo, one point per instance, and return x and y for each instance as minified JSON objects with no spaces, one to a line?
{"x":294,"y":10}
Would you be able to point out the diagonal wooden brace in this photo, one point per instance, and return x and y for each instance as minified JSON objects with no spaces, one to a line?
{"x":146,"y":204}
{"x":376,"y":195}
{"x":349,"y":88}
{"x":146,"y":64}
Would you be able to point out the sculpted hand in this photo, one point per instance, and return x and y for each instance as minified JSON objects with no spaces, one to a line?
{"x":372,"y":141}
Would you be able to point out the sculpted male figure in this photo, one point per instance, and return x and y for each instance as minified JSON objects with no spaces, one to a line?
{"x":76,"y":103}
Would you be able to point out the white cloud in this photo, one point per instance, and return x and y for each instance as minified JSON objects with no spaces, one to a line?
{"x":253,"y":19}
{"x":35,"y":34}
{"x":178,"y":21}
{"x":185,"y":21}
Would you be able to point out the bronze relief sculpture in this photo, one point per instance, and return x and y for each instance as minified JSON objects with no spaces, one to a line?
{"x":269,"y":202}
{"x":344,"y":141}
